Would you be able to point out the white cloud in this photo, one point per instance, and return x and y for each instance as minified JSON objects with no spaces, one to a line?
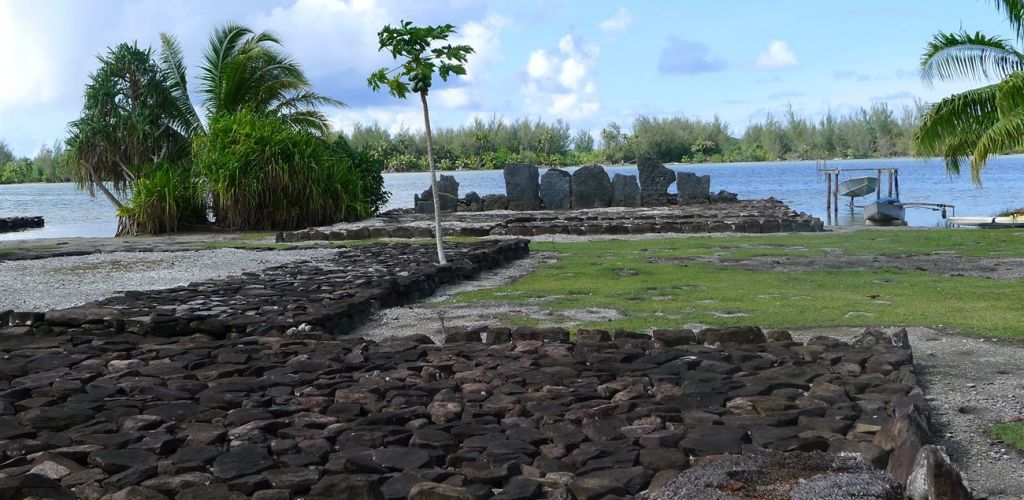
{"x":617,"y":23}
{"x":778,"y":56}
{"x":539,"y":65}
{"x":483,"y":36}
{"x":454,"y":98}
{"x":392,"y":118}
{"x":560,"y":81}
{"x":26,"y":53}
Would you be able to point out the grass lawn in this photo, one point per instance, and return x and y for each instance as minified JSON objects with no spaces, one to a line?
{"x":633,"y":278}
{"x":1011,"y":433}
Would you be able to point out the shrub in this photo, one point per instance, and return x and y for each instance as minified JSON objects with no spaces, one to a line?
{"x":263,"y":174}
{"x":167,"y":196}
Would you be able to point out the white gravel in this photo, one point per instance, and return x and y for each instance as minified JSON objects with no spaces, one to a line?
{"x":55,"y":283}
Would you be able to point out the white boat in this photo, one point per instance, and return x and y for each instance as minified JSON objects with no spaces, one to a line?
{"x":885,"y":211}
{"x":860,"y":186}
{"x":989,"y":222}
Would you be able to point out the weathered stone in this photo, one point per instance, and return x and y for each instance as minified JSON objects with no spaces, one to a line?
{"x":655,"y":179}
{"x":495,"y":202}
{"x":556,"y":189}
{"x":436,"y":491}
{"x":447,"y":193}
{"x":625,"y":191}
{"x":591,"y":188}
{"x":114,"y":461}
{"x":691,"y":187}
{"x":137,"y":493}
{"x":522,"y":187}
{"x":934,"y":477}
{"x":734,"y":334}
{"x":242,"y":461}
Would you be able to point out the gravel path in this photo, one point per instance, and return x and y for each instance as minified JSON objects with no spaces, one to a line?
{"x":39,"y":285}
{"x":970,"y":383}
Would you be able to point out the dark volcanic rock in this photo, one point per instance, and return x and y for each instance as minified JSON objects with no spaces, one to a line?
{"x":625,"y":191}
{"x":522,"y":186}
{"x":591,"y":187}
{"x":556,"y":189}
{"x":692,"y":187}
{"x":242,"y":461}
{"x":655,"y":179}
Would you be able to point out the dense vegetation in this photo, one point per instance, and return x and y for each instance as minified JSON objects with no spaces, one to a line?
{"x":878,"y":132}
{"x":256,"y":155}
{"x":47,"y":166}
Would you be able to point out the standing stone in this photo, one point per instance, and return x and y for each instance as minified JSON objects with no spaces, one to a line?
{"x":522,"y":186}
{"x":692,"y":187}
{"x":447,"y":196}
{"x":625,"y":191}
{"x":655,"y":179}
{"x":591,"y":187}
{"x":556,"y":189}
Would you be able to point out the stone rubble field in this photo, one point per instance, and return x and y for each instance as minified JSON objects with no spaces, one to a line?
{"x":493,"y":413}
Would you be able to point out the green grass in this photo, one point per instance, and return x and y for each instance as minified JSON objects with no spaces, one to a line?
{"x":629,"y":275}
{"x":1011,"y":433}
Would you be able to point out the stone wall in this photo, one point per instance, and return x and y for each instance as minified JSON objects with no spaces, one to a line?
{"x":8,"y":224}
{"x":749,"y":216}
{"x":588,"y":187}
{"x":334,"y":295}
{"x":522,"y":412}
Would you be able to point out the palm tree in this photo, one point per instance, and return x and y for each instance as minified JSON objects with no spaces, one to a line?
{"x":243,"y":70}
{"x":973,"y":125}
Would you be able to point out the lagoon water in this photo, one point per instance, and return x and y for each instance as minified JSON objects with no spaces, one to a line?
{"x":70,"y":212}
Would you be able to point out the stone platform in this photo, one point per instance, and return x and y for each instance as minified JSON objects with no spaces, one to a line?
{"x":329,"y":297}
{"x":749,"y":216}
{"x":523,"y":414}
{"x":9,"y":224}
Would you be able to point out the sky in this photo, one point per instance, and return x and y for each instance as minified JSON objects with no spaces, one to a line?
{"x":587,"y":62}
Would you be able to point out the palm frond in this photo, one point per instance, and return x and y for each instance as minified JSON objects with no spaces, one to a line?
{"x":952,"y":127}
{"x":1005,"y":135}
{"x":1014,"y":12}
{"x":979,"y":57}
{"x":172,"y":69}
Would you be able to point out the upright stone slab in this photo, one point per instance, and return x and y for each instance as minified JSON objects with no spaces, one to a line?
{"x":447,"y":194}
{"x":655,"y":179}
{"x":625,"y":191}
{"x":591,"y":187}
{"x":556,"y":189}
{"x":692,"y":187}
{"x":522,"y":186}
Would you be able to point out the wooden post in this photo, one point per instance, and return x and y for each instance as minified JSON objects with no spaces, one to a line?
{"x":828,"y":198}
{"x":835,"y":200}
{"x":878,"y":190}
{"x":890,"y":183}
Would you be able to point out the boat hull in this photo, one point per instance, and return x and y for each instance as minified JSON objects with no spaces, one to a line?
{"x":884,"y":212}
{"x":861,"y":186}
{"x":988,"y":222}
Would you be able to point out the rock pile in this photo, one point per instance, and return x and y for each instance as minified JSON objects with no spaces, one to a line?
{"x":504,"y":414}
{"x":757,"y":216}
{"x":447,"y":196}
{"x":8,"y":224}
{"x":331,"y":296}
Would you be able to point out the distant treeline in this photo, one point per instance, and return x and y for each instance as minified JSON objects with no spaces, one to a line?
{"x":47,"y":166}
{"x":878,"y":132}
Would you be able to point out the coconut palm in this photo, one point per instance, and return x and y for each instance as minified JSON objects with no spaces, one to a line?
{"x":973,"y":125}
{"x":243,"y":70}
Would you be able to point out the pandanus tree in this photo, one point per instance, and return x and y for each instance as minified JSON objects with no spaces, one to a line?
{"x":138,"y":121}
{"x":422,"y":55}
{"x":973,"y":125}
{"x":123,"y":128}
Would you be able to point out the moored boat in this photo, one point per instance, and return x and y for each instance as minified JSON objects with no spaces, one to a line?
{"x":885,"y":211}
{"x":860,"y":186}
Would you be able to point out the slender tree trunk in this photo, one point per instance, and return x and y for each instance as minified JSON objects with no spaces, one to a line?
{"x":433,"y":179}
{"x":125,"y":225}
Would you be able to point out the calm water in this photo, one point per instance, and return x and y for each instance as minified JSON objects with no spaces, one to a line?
{"x":70,"y":212}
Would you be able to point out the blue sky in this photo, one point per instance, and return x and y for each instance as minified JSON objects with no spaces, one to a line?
{"x":588,"y":62}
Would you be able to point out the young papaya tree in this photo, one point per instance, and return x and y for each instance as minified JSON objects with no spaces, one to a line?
{"x":420,"y":54}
